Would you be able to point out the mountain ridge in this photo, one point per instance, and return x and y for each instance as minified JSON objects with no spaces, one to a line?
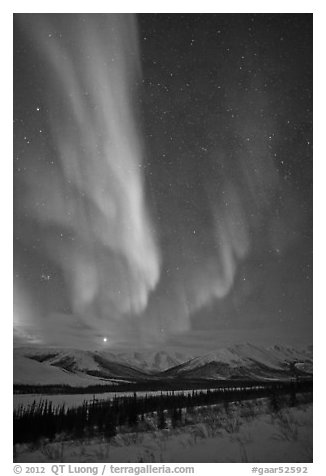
{"x":79,"y":367}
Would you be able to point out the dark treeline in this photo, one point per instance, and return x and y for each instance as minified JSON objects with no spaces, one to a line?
{"x":103,"y":417}
{"x":146,"y":386}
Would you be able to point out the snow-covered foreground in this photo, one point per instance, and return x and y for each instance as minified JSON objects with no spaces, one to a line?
{"x":239,"y":432}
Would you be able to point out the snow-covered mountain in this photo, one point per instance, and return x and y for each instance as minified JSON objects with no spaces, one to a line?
{"x":74,"y":367}
{"x":41,"y":366}
{"x":30,"y":371}
{"x":152,"y":362}
{"x":246,"y":361}
{"x":82,"y":368}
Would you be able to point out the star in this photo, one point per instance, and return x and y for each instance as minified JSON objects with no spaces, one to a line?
{"x":218,"y":169}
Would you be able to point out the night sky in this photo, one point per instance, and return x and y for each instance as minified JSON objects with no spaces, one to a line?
{"x":162,"y":180}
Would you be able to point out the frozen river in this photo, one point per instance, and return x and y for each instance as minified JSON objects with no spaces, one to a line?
{"x":78,"y":399}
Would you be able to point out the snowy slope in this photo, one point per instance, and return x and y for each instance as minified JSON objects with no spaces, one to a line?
{"x":81,"y":368}
{"x":153,"y":361}
{"x":31,"y":372}
{"x":73,"y":367}
{"x":245,"y":361}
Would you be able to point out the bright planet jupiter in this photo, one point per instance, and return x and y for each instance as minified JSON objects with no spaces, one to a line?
{"x":162,"y":179}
